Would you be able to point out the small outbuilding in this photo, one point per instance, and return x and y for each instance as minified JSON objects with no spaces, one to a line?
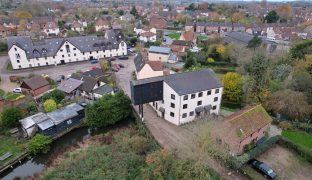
{"x":35,"y":85}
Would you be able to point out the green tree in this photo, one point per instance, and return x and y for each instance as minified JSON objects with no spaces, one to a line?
{"x":3,"y":46}
{"x":301,"y":49}
{"x":11,"y":116}
{"x":61,"y":24}
{"x":233,"y":87}
{"x":39,"y":144}
{"x":272,"y":17}
{"x":254,"y":42}
{"x":190,"y":60}
{"x":49,"y":105}
{"x":108,"y":110}
{"x":191,"y":7}
{"x":56,"y":95}
{"x":31,"y":107}
{"x":134,"y":12}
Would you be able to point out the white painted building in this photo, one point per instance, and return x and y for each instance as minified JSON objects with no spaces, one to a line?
{"x":51,"y":29}
{"x":163,"y":54}
{"x":148,"y":37}
{"x":24,"y":53}
{"x":187,"y":96}
{"x":147,"y":69}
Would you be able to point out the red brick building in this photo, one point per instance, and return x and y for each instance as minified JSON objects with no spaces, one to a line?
{"x":35,"y":85}
{"x":244,"y":127}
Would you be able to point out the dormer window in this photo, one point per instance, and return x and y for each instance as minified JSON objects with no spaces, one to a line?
{"x":15,"y":49}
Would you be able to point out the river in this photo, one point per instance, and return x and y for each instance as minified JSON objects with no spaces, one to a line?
{"x":37,"y":164}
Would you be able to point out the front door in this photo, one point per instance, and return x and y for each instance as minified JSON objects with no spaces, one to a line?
{"x":62,"y":61}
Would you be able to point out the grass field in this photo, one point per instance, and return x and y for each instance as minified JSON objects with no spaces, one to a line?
{"x":9,"y":144}
{"x":175,"y":36}
{"x":301,"y":138}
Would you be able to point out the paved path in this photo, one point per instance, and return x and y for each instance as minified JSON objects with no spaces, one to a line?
{"x":177,"y":139}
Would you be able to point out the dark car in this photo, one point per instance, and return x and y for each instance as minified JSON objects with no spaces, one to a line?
{"x":94,"y":61}
{"x":121,"y":65}
{"x":112,"y":59}
{"x":263,"y":168}
{"x":123,"y":58}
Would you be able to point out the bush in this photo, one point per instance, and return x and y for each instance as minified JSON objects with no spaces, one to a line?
{"x":238,"y":161}
{"x":49,"y":105}
{"x":39,"y":144}
{"x":56,"y":95}
{"x":32,"y":108}
{"x":10,"y":117}
{"x":285,"y":125}
{"x":139,"y":144}
{"x":304,"y":152}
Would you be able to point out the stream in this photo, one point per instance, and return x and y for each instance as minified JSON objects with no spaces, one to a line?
{"x":37,"y":164}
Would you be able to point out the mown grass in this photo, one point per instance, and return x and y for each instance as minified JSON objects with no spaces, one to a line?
{"x":297,"y":137}
{"x":175,"y":36}
{"x":9,"y":144}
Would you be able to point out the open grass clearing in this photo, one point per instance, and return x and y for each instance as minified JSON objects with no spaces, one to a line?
{"x":175,"y":36}
{"x":9,"y":144}
{"x":297,"y":137}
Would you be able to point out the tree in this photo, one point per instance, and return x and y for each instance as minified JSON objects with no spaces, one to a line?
{"x":3,"y":46}
{"x":272,"y":17}
{"x":56,"y":95}
{"x":191,"y":7}
{"x":233,"y":87}
{"x":121,"y":12}
{"x":23,"y":15}
{"x":290,"y":103}
{"x":11,"y":116}
{"x":108,"y":110}
{"x":32,"y":108}
{"x":285,"y":11}
{"x":301,"y":49}
{"x":61,"y":24}
{"x":254,"y":42}
{"x":134,"y":12}
{"x":49,"y":105}
{"x":237,"y":16}
{"x":39,"y":144}
{"x":190,"y":60}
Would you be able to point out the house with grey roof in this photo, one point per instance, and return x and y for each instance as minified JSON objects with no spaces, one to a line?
{"x":70,"y":86}
{"x":180,"y":98}
{"x":163,"y":54}
{"x":53,"y":123}
{"x":26,"y":53}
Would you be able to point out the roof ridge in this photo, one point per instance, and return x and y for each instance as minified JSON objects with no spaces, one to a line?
{"x":247,"y":110}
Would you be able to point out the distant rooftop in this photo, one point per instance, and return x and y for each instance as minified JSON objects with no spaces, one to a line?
{"x":158,"y":49}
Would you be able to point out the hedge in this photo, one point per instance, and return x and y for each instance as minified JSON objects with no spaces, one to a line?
{"x":304,"y":152}
{"x":237,"y":162}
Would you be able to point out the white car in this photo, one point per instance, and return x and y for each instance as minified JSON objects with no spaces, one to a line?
{"x":17,"y":90}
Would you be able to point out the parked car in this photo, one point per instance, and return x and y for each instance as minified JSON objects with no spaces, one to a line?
{"x":60,"y":78}
{"x":112,"y":59}
{"x":94,"y":61}
{"x":17,"y":90}
{"x":121,"y":65}
{"x":123,"y":58}
{"x":263,"y":168}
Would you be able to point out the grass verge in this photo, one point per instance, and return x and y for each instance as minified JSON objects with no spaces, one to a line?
{"x":9,"y":144}
{"x":297,"y":137}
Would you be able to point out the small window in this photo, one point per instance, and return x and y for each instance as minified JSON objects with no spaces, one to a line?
{"x":53,"y":57}
{"x":215,"y":99}
{"x":172,"y":105}
{"x":171,"y":114}
{"x":83,"y":53}
{"x":18,"y":56}
{"x":18,"y":61}
{"x":15,"y":49}
{"x":200,"y":94}
{"x":173,"y":96}
{"x":45,"y":58}
{"x":217,"y":91}
{"x":192,"y":113}
{"x":69,"y":122}
{"x":199,"y":103}
{"x":214,"y":107}
{"x":68,"y":55}
{"x":208,"y":92}
{"x":62,"y":55}
{"x":185,"y":97}
{"x":184,"y":106}
{"x":38,"y":64}
{"x":19,"y":66}
{"x":184,"y":115}
{"x":75,"y":54}
{"x":193,"y":96}
{"x":61,"y":50}
{"x":47,"y":63}
{"x":74,"y":48}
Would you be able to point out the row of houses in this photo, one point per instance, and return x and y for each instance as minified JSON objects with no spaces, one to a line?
{"x":26,"y":53}
{"x":211,"y":27}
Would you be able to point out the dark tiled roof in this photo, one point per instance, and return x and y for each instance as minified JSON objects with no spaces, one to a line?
{"x":88,"y":83}
{"x":139,"y":62}
{"x":156,"y":65}
{"x":35,"y":82}
{"x":187,"y":82}
{"x":105,"y":89}
{"x":181,"y":43}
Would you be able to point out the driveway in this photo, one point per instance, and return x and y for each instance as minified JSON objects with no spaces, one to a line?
{"x":174,"y":138}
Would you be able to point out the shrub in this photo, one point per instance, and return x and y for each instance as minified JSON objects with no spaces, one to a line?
{"x":32,"y":108}
{"x":238,"y":161}
{"x":39,"y":144}
{"x":49,"y":105}
{"x":304,"y":152}
{"x":139,"y":144}
{"x":56,"y":95}
{"x":10,"y":117}
{"x":285,"y":125}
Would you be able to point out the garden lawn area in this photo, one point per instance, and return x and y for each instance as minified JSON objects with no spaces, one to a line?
{"x":2,"y":92}
{"x":9,"y":144}
{"x":13,"y":96}
{"x":297,"y":137}
{"x":175,"y":36}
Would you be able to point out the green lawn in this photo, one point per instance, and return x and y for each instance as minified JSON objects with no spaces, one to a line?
{"x":2,"y":92}
{"x":9,"y":144}
{"x":12,"y":96}
{"x":301,"y":138}
{"x":175,"y":36}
